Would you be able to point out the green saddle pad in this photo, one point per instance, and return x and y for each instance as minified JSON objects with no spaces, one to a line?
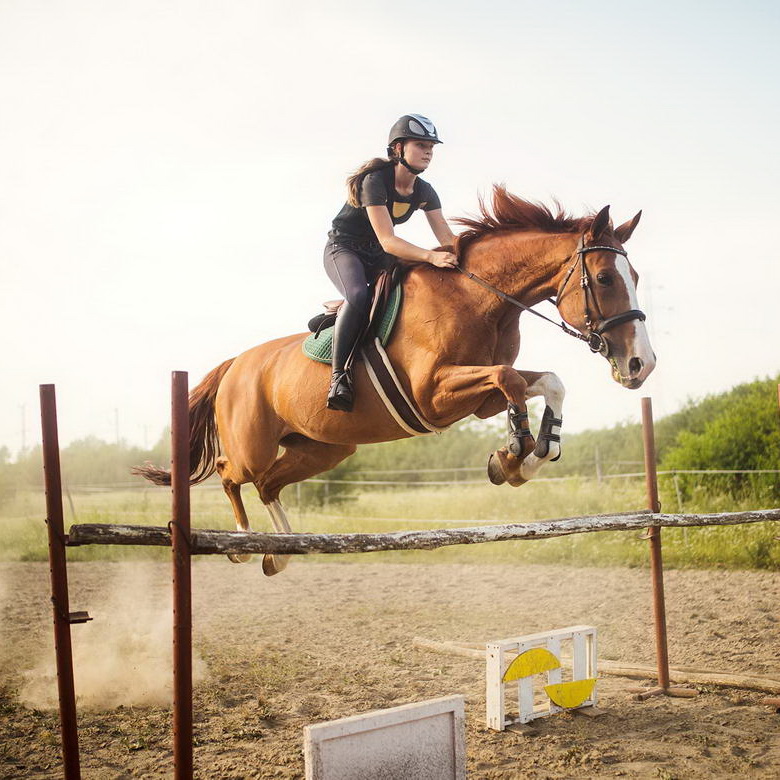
{"x":321,"y":347}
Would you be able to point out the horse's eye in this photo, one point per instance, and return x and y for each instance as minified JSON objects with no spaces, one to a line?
{"x":604,"y":278}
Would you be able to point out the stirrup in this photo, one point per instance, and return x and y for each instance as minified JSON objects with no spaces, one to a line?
{"x":341,"y":396}
{"x":517,"y":433}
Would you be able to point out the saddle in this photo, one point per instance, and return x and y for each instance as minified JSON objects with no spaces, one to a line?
{"x":385,"y":305}
{"x":370,"y":348}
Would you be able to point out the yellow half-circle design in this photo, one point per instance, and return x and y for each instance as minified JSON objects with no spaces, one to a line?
{"x":399,"y":209}
{"x":531,"y":662}
{"x":571,"y":694}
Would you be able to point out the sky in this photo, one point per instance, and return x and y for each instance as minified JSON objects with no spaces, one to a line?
{"x":169,"y":171}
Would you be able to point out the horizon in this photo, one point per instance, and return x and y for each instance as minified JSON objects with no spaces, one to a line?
{"x":162,"y":438}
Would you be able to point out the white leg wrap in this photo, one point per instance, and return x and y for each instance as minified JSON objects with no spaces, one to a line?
{"x":278,"y":517}
{"x":281,"y":526}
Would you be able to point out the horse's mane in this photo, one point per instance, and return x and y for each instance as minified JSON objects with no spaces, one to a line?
{"x":510,"y":212}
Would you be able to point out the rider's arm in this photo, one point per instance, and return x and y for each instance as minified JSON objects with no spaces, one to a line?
{"x":380,"y":220}
{"x":440,"y":228}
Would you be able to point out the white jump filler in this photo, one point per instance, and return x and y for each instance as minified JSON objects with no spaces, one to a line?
{"x":412,"y":742}
{"x":515,"y":665}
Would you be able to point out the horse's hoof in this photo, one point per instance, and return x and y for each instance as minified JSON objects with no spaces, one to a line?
{"x":504,"y":467}
{"x":494,"y":470}
{"x":273,"y":564}
{"x":239,"y":557}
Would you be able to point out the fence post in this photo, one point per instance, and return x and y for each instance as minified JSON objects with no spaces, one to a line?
{"x":657,"y":567}
{"x":59,"y":584}
{"x":678,"y":494}
{"x":654,"y":535}
{"x":182,"y":598}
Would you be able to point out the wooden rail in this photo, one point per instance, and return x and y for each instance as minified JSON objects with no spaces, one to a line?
{"x":681,"y":674}
{"x":209,"y":542}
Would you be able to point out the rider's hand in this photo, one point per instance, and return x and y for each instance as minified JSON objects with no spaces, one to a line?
{"x":443,"y":259}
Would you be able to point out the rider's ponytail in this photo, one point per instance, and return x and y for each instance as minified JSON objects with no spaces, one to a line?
{"x":355,"y":180}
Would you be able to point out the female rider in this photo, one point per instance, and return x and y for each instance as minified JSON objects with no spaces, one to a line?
{"x":382,"y":193}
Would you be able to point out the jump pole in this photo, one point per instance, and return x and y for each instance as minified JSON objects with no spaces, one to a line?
{"x":656,"y":565}
{"x":59,"y":585}
{"x":181,"y":545}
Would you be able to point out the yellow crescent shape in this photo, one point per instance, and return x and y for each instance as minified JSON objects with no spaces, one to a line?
{"x":571,"y":694}
{"x":531,"y":662}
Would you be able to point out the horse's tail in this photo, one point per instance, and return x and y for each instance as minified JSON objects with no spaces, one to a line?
{"x":204,"y":441}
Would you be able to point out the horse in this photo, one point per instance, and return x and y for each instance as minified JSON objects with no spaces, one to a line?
{"x":261,"y":417}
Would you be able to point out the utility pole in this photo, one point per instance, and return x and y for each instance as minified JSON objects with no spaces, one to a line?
{"x":24,"y":427}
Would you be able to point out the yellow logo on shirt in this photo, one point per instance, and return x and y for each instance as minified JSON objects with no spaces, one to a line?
{"x":399,"y":209}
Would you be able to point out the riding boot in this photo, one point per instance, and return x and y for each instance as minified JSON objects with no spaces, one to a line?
{"x":349,"y":325}
{"x":340,"y":396}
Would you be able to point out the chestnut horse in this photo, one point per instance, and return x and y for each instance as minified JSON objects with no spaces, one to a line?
{"x":453,"y":348}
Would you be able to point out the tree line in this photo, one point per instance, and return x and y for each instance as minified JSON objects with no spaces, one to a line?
{"x":737,"y":429}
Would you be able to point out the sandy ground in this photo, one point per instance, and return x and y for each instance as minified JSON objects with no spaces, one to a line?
{"x":325,"y":640}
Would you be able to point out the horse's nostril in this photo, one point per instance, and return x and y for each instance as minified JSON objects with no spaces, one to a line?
{"x":635,"y":365}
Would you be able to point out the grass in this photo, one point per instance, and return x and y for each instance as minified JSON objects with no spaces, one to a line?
{"x":752,"y":546}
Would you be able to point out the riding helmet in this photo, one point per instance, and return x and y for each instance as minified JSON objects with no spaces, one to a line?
{"x":413,"y":126}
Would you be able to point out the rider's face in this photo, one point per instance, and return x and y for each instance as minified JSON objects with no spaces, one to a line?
{"x":418,"y":153}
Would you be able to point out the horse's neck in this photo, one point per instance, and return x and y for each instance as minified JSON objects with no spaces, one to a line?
{"x":526,"y":266}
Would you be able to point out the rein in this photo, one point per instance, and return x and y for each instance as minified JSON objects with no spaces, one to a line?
{"x":594,"y":338}
{"x":509,"y":299}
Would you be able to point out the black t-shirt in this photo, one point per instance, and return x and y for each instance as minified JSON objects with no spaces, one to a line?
{"x":378,"y":189}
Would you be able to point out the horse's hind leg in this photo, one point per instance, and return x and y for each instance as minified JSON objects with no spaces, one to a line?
{"x":273,"y":564}
{"x":233,"y":491}
{"x":302,"y":458}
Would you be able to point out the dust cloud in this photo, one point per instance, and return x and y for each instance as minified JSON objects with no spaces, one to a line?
{"x":122,"y":656}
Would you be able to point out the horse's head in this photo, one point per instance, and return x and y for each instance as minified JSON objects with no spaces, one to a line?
{"x":598,"y":297}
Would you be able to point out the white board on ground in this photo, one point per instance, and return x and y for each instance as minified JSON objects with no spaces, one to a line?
{"x":412,"y":742}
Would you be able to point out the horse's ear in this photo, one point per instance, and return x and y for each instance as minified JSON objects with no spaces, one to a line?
{"x":600,"y":224}
{"x":624,"y":231}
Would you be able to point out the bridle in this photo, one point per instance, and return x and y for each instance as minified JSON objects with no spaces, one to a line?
{"x":595,"y":339}
{"x":594,"y":336}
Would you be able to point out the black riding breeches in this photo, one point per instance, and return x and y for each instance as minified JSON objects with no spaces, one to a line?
{"x":354,"y":278}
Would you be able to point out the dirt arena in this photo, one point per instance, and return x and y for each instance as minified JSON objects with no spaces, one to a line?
{"x":326,"y":640}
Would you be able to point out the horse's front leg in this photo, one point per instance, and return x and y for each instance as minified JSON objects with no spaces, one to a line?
{"x":503,"y":466}
{"x":548,"y":441}
{"x":467,"y":389}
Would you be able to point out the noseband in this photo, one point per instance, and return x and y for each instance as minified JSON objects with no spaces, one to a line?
{"x":594,"y":338}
